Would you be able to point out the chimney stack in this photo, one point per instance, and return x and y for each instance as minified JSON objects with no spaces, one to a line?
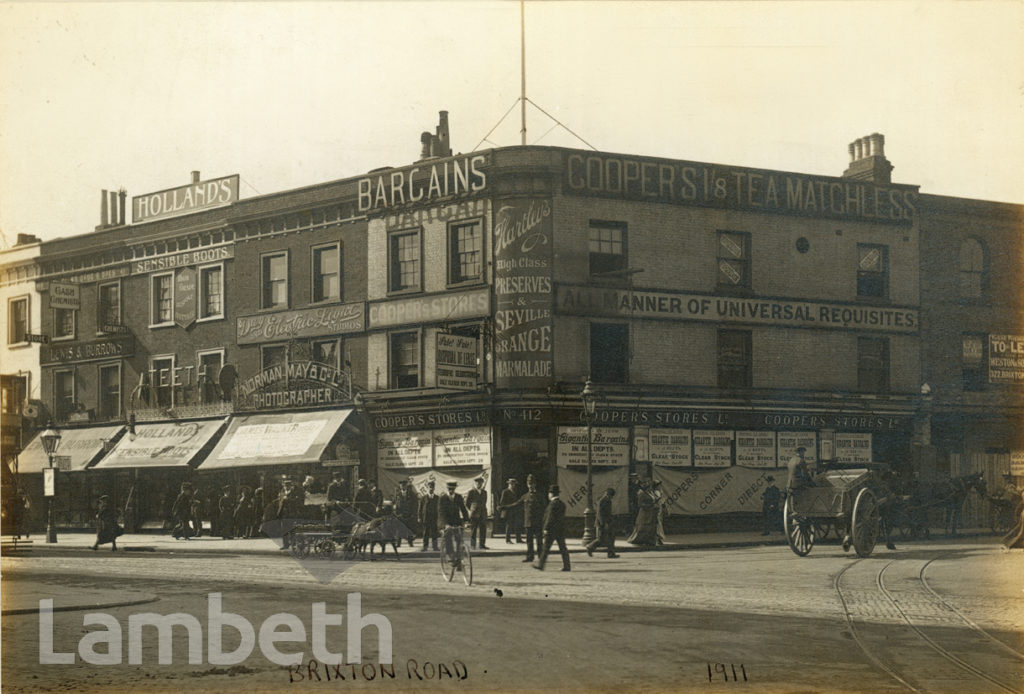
{"x":436,"y":145}
{"x":195,"y":177}
{"x":867,"y":160}
{"x":112,"y":205}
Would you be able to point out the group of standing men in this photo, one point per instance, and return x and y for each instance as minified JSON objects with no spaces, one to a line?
{"x":229,"y":515}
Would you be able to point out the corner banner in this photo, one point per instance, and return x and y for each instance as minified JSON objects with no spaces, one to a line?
{"x":703,"y":492}
{"x":572,"y":484}
{"x":388,"y":482}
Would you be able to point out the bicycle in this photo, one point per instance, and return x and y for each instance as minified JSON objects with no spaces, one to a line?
{"x":456,"y":555}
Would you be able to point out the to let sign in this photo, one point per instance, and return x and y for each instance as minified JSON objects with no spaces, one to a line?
{"x":67,"y":296}
{"x":1006,"y":359}
{"x":456,"y":362}
{"x":185,"y":297}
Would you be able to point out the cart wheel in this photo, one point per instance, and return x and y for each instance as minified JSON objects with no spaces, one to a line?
{"x":467,"y":565}
{"x":447,"y":565}
{"x":799,"y":530}
{"x":865,"y":523}
{"x":325,"y":549}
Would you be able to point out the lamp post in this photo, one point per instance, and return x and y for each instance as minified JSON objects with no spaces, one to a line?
{"x":589,"y":407}
{"x":50,"y":440}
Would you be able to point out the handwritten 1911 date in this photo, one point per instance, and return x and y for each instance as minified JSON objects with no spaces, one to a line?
{"x":722,"y":671}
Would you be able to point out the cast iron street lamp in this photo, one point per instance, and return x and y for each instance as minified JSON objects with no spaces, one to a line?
{"x":589,"y":407}
{"x":50,"y":440}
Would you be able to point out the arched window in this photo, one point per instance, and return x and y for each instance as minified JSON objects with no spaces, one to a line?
{"x":971,"y":267}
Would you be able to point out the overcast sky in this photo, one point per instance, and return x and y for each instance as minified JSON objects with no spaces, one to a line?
{"x":138,"y":94}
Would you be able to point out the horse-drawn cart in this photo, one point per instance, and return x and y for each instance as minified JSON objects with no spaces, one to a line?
{"x":840,"y":496}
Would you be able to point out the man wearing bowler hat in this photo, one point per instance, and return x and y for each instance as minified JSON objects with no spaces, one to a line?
{"x":476,"y":502}
{"x":605,"y":528}
{"x":511,"y":512}
{"x":451,"y":513}
{"x":428,"y":516}
{"x":770,"y":500}
{"x":554,"y":530}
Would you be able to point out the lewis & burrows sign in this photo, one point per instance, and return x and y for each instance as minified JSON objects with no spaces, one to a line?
{"x":737,"y":188}
{"x":194,"y":197}
{"x":111,"y":348}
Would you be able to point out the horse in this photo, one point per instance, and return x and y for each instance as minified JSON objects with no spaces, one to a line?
{"x":950,"y":495}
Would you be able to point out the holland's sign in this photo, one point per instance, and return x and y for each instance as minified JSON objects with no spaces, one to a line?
{"x":576,"y":300}
{"x":194,"y":197}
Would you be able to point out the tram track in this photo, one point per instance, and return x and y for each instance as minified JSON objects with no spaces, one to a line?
{"x":872,"y":610}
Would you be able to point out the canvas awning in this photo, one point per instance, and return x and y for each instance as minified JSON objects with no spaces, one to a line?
{"x":276,"y":439}
{"x":168,"y":444}
{"x":82,"y":446}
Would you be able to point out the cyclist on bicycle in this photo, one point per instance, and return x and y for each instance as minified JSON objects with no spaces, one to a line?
{"x":451,"y":514}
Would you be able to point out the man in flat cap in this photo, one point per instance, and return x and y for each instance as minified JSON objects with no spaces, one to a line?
{"x":799,"y":475}
{"x":451,"y":514}
{"x":476,"y":501}
{"x":511,"y":512}
{"x":406,"y":506}
{"x":427,"y":516}
{"x":605,"y":527}
{"x":554,"y":530}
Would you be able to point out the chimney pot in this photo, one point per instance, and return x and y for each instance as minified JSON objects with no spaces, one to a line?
{"x":195,"y":177}
{"x":103,"y":208}
{"x":853,"y":156}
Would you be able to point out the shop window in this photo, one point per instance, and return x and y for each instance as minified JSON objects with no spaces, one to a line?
{"x":161,"y":374}
{"x":274,"y":280}
{"x":872,"y":271}
{"x":12,"y":394}
{"x":327,"y":352}
{"x":873,"y":364}
{"x":108,"y":306}
{"x":64,"y":323}
{"x":17,"y":320}
{"x":735,"y":359}
{"x":609,"y":352}
{"x":465,"y":252}
{"x":64,"y":394}
{"x":971,"y":267}
{"x":405,"y":360}
{"x":404,"y":261}
{"x":973,"y":364}
{"x":162,"y":300}
{"x":208,"y":379}
{"x":211,"y":292}
{"x":327,"y":273}
{"x":607,"y":242}
{"x":273,"y":355}
{"x":110,"y":391}
{"x":733,"y":260}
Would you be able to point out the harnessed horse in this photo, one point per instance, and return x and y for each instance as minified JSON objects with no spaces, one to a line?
{"x":951,"y":494}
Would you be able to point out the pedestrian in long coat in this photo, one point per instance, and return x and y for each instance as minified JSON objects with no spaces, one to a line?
{"x":605,"y":527}
{"x":406,"y":506}
{"x":244,"y":513}
{"x":226,"y":516}
{"x":428,"y":516}
{"x":554,"y":531}
{"x":107,"y":529}
{"x":181,"y":513}
{"x":511,"y":513}
{"x":476,"y":502}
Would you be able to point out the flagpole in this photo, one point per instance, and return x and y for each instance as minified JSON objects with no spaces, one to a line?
{"x":522,"y":60}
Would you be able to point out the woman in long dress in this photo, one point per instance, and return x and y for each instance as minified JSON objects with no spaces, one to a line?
{"x":645,"y":530}
{"x":107,"y":529}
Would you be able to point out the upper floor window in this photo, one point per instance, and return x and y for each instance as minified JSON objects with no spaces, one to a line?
{"x":735,"y":359}
{"x":327,"y":273}
{"x":607,"y":242}
{"x":64,"y":394}
{"x":973,"y":361}
{"x":405,"y":360}
{"x":404,"y":261}
{"x":161,"y":371}
{"x":273,"y":355}
{"x":108,"y":306}
{"x":17,"y":320}
{"x":733,"y":259}
{"x":12,"y":394}
{"x":971,"y":267}
{"x":110,"y":391}
{"x":465,"y":252}
{"x":211,"y":292}
{"x":274,"y":279}
{"x":873,"y":364}
{"x":872,"y":271}
{"x":63,"y":323}
{"x":327,"y":352}
{"x":208,"y":380}
{"x":162,"y":299}
{"x":609,"y":352}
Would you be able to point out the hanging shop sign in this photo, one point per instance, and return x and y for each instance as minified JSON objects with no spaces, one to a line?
{"x":523,"y":293}
{"x":109,"y":348}
{"x":295,"y":384}
{"x":608,"y":446}
{"x":66,"y":296}
{"x":756,"y":448}
{"x":712,"y":448}
{"x":423,"y":183}
{"x":1006,"y":359}
{"x":194,"y":197}
{"x":737,"y":188}
{"x":853,"y":448}
{"x":626,"y":303}
{"x":309,"y":322}
{"x":456,"y":447}
{"x":456,"y":361}
{"x":671,"y":447}
{"x":451,"y":306}
{"x":185,"y":297}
